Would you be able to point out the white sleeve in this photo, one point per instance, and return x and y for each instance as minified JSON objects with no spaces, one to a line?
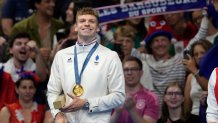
{"x":116,"y":88}
{"x":202,"y":32}
{"x":212,"y":109}
{"x":54,"y":85}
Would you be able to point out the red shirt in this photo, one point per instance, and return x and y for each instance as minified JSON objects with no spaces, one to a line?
{"x":37,"y":113}
{"x":7,"y":90}
{"x":187,"y":35}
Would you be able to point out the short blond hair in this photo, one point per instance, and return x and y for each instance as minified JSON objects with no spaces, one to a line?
{"x":87,"y":11}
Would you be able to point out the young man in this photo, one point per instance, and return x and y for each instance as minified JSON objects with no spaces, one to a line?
{"x":141,"y":105}
{"x":20,"y":47}
{"x":41,"y":26}
{"x":89,"y":74}
{"x":124,"y":36}
{"x":212,"y":99}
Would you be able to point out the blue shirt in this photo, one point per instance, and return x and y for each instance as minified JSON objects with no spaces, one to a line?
{"x":16,"y":10}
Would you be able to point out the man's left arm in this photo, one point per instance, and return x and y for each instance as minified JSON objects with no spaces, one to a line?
{"x":116,"y":88}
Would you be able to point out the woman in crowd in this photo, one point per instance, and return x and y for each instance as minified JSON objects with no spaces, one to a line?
{"x":172,"y":108}
{"x":195,"y":83}
{"x":25,"y":110}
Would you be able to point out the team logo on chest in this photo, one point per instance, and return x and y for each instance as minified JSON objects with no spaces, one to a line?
{"x":96,"y":59}
{"x":140,"y":104}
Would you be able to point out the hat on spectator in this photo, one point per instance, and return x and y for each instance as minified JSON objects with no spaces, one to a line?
{"x":157,"y":27}
{"x":29,"y":75}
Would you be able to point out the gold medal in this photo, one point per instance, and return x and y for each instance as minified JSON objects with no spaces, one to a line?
{"x":78,"y":90}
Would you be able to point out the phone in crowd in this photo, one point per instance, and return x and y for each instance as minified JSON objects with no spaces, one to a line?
{"x":61,"y":34}
{"x":186,"y":54}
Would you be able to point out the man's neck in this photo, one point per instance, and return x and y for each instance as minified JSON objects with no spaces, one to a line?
{"x":42,"y":20}
{"x":85,"y":41}
{"x":18,"y":64}
{"x":165,"y":57}
{"x":132,"y":89}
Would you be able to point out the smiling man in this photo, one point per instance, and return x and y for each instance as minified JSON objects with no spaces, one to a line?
{"x":89,"y":74}
{"x":20,"y":49}
{"x":141,"y":104}
{"x":165,"y":68}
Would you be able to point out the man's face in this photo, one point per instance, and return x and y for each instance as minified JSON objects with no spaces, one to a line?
{"x":126,"y":44}
{"x":132,"y":73}
{"x":20,"y":50}
{"x":160,"y":46}
{"x":173,"y":19}
{"x":87,"y":26}
{"x":46,"y":7}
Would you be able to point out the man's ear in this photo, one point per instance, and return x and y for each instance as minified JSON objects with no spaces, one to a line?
{"x":76,"y":28}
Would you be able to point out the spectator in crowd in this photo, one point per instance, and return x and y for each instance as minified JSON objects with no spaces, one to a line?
{"x":60,"y":8}
{"x":25,"y":110}
{"x":202,"y":26}
{"x":14,"y":11}
{"x":180,"y":28}
{"x":195,"y":83}
{"x":141,"y":31}
{"x":7,"y":88}
{"x":141,"y":104}
{"x":3,"y":46}
{"x":173,"y":106}
{"x":85,"y":101}
{"x":124,"y":35}
{"x":20,"y":47}
{"x":165,"y":68}
{"x":124,"y":44}
{"x":212,"y":32}
{"x":212,"y":99}
{"x":41,"y":26}
{"x":72,"y":8}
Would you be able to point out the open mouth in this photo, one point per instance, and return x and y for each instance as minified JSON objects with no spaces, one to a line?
{"x":23,"y":52}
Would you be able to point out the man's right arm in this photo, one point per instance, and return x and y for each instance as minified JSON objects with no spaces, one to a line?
{"x":54,"y":85}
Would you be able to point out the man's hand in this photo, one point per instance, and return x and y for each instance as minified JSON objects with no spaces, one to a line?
{"x":60,"y":118}
{"x":129,"y":103}
{"x":75,"y":105}
{"x":2,"y":40}
{"x":33,"y":49}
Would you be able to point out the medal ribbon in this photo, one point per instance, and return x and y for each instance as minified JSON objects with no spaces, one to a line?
{"x":76,"y":70}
